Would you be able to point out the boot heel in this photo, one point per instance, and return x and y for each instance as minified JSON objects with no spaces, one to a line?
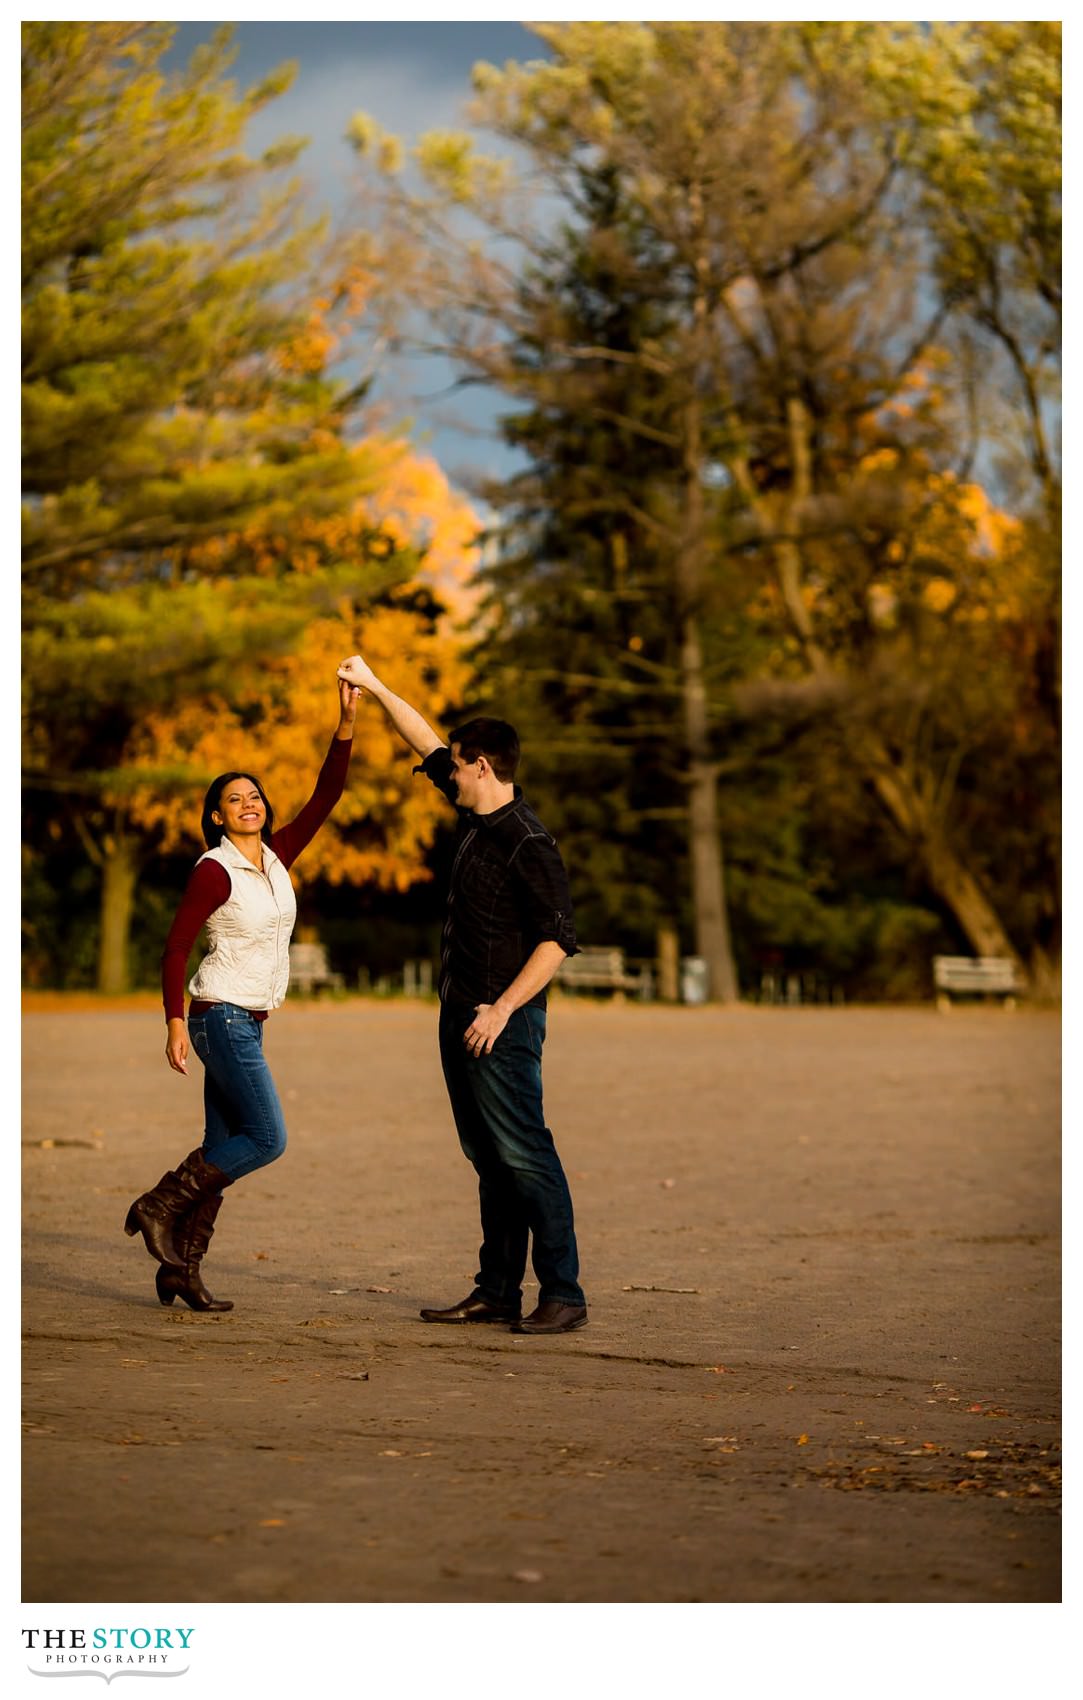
{"x":166,"y":1292}
{"x":131,"y":1223}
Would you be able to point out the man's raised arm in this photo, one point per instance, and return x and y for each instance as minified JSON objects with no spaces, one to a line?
{"x":407,"y":722}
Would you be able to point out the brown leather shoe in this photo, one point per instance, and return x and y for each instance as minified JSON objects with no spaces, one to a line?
{"x":552,"y":1317}
{"x":476,"y":1308}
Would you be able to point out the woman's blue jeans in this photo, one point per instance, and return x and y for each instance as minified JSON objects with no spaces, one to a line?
{"x":497,"y":1104}
{"x":244,"y":1127}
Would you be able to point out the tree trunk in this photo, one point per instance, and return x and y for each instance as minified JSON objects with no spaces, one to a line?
{"x":120,"y":871}
{"x":669,"y":965}
{"x":1045,"y":976}
{"x":952,"y":882}
{"x":705,"y":841}
{"x":947,"y":875}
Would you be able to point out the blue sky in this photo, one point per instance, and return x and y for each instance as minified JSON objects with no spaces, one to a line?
{"x":410,"y":77}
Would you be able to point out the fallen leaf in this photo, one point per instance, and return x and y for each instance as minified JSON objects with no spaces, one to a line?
{"x":717,"y":1369}
{"x":637,"y":1289}
{"x":977,"y":1454}
{"x":974,"y":1407}
{"x":802,"y":1440}
{"x":379,"y":1289}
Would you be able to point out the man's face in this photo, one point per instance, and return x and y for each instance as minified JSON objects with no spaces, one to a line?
{"x":465,"y":775}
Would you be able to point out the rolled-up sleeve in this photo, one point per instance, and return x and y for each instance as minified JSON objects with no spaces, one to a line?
{"x":541,"y":879}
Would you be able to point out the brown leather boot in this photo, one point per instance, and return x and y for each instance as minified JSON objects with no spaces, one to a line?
{"x":192,"y":1236}
{"x":154,"y":1214}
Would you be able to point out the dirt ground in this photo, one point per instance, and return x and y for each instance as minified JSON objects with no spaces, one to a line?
{"x":820,"y":1249}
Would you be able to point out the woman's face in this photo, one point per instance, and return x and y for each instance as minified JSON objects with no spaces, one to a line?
{"x":240,"y":808}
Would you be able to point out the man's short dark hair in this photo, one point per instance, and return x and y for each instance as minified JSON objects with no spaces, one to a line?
{"x":494,"y":739}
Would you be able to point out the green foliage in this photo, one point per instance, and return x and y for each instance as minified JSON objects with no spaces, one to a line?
{"x":162,"y":282}
{"x":749,"y":358}
{"x":144,"y":647}
{"x":982,"y":102}
{"x":193,"y":479}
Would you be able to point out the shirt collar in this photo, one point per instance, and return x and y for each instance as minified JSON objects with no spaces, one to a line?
{"x":502,"y":812}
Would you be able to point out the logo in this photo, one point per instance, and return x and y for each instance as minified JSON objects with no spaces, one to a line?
{"x":108,"y":1653}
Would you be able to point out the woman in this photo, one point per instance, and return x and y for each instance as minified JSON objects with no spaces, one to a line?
{"x":241,"y":890}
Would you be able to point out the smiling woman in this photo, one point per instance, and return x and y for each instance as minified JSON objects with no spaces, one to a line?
{"x":240,"y":889}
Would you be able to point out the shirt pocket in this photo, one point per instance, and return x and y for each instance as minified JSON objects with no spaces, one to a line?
{"x":481,"y":877}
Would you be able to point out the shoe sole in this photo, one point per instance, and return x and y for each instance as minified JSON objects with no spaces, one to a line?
{"x":565,"y":1328}
{"x":466,"y":1321}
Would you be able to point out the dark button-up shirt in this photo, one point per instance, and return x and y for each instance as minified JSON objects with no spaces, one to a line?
{"x":508,"y":892}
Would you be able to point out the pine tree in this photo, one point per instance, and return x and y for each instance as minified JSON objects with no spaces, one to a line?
{"x":163,"y":274}
{"x":195,"y":480}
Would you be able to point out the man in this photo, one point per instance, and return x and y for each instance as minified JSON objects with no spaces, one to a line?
{"x":509,"y":926}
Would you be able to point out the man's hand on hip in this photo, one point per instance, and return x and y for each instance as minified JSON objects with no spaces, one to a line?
{"x":485,"y":1029}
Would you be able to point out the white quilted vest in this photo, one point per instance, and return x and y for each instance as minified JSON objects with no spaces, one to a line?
{"x":249,"y":959}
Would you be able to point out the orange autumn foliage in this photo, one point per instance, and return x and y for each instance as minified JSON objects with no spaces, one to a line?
{"x":404,"y":502}
{"x":278,"y":723}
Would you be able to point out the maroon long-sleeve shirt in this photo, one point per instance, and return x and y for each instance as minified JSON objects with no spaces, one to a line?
{"x":209,"y":884}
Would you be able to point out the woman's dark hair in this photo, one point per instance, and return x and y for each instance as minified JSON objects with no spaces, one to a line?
{"x":494,"y":739}
{"x":212,"y":834}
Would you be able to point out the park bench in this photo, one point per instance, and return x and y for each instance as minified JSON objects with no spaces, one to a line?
{"x":989,"y":976}
{"x":598,"y":968}
{"x":309,"y":969}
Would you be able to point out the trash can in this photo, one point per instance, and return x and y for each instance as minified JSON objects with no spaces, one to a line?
{"x":695,"y":979}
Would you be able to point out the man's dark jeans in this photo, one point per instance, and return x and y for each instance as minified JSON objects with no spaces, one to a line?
{"x":497,"y":1104}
